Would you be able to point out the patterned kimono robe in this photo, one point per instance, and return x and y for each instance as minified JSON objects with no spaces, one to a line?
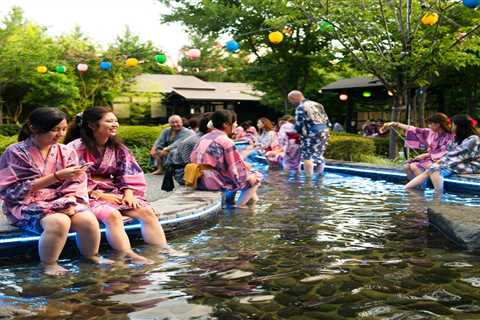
{"x":20,"y":165}
{"x":435,"y":143}
{"x":289,"y":140}
{"x":462,"y":158}
{"x":228,"y":170}
{"x":113,"y":172}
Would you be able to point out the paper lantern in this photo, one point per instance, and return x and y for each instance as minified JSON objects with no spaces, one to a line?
{"x":105,"y":65}
{"x":82,"y":67}
{"x":275,"y":37}
{"x":343,"y":97}
{"x":367,"y":94}
{"x":60,"y":69}
{"x":390,"y":93}
{"x":161,"y":58}
{"x":325,"y":26}
{"x":429,"y":19}
{"x":132,"y":62}
{"x":472,"y":4}
{"x":42,"y":69}
{"x":232,"y":46}
{"x":194,"y":54}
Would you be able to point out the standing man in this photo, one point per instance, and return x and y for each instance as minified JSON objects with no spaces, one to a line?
{"x":168,"y":140}
{"x":311,"y":122}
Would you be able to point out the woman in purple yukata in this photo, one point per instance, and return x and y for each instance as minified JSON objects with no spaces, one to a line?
{"x":116,"y":183}
{"x":435,"y":140}
{"x":463,"y":155}
{"x":45,"y":190}
{"x":224,"y":168}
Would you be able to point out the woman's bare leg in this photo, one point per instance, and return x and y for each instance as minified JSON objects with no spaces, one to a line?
{"x":118,"y":238}
{"x":437,"y":181}
{"x":246,"y":196}
{"x":55,"y":232}
{"x":418,"y":180}
{"x":152,"y":230}
{"x":86,"y":226}
{"x":308,"y":168}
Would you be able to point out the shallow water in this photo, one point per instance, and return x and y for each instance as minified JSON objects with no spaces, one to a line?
{"x":338,"y":247}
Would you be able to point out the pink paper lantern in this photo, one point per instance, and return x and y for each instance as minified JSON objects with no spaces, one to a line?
{"x":194,"y":54}
{"x":82,"y":67}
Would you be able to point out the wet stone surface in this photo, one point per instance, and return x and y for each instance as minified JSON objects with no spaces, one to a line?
{"x":336,"y":248}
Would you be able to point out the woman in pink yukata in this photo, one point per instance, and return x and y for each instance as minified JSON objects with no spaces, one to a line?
{"x":226,"y":170}
{"x":44,"y":189}
{"x":116,"y":183}
{"x":436,"y":139}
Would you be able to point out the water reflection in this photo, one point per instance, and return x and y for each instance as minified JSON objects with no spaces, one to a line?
{"x":329,"y":248}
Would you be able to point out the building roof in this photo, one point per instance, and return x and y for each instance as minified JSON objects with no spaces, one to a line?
{"x":193,"y":88}
{"x":354,"y":83}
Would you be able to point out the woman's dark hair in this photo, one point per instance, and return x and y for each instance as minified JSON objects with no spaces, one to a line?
{"x":267,"y":124}
{"x":442,"y":120}
{"x":203,"y":123}
{"x":464,"y":128}
{"x":80,"y":128}
{"x":193,"y":122}
{"x":223,"y":116}
{"x":41,"y":120}
{"x":246,"y":124}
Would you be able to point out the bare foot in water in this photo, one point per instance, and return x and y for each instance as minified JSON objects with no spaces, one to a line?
{"x":136,"y":258}
{"x":172,"y":252}
{"x":54,"y":269}
{"x":100,"y":260}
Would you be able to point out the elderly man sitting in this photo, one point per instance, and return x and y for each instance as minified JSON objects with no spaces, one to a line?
{"x":168,"y":140}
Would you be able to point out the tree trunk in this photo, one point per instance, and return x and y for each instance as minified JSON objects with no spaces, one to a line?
{"x":421,"y":108}
{"x":398,"y":104}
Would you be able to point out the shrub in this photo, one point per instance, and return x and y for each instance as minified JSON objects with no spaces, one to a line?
{"x":140,"y":136}
{"x":6,"y":141}
{"x":9,"y":129}
{"x":381,"y":146}
{"x":142,"y":155}
{"x":349,"y":148}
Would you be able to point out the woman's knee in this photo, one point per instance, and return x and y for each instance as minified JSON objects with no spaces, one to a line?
{"x":114,"y":218}
{"x":58,"y":224}
{"x":85,"y":221}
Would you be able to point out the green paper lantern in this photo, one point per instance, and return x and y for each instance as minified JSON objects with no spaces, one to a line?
{"x":326,"y":26}
{"x":367,"y":94}
{"x":60,"y":69}
{"x":161,"y":58}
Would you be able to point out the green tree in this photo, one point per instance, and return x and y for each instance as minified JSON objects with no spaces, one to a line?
{"x":214,"y":64}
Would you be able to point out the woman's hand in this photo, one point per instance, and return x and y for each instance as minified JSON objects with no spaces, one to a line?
{"x":386,"y":126}
{"x":130,"y":200}
{"x":421,"y":157}
{"x":70,"y":173}
{"x":252,"y":179}
{"x":109,"y":197}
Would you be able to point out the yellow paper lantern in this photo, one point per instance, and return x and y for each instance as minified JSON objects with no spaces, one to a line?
{"x":42,"y":69}
{"x":275,"y":37}
{"x":132,"y":62}
{"x":430,"y":19}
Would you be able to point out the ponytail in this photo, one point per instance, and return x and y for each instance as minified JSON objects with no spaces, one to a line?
{"x":74,"y":130}
{"x":25,"y":132}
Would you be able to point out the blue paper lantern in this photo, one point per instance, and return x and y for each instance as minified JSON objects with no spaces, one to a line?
{"x":105,"y":65}
{"x":232,"y":46}
{"x":472,"y":4}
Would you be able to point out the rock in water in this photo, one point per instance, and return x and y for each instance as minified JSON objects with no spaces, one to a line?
{"x":316,"y":278}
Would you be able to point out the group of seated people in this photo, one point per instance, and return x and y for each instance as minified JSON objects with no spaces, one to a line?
{"x":451,"y":146}
{"x":51,"y":188}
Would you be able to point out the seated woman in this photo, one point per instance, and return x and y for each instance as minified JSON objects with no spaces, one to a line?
{"x":223,"y":167}
{"x":116,"y":183}
{"x":44,"y":189}
{"x":267,"y":137}
{"x":463,"y":155}
{"x":435,"y":140}
{"x":180,"y":156}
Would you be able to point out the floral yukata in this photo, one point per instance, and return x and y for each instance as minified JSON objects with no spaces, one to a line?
{"x":113,"y":172}
{"x":226,"y":169}
{"x":289,"y":140}
{"x":461,"y":158}
{"x":436,"y":144}
{"x":20,"y":165}
{"x":312,"y":125}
